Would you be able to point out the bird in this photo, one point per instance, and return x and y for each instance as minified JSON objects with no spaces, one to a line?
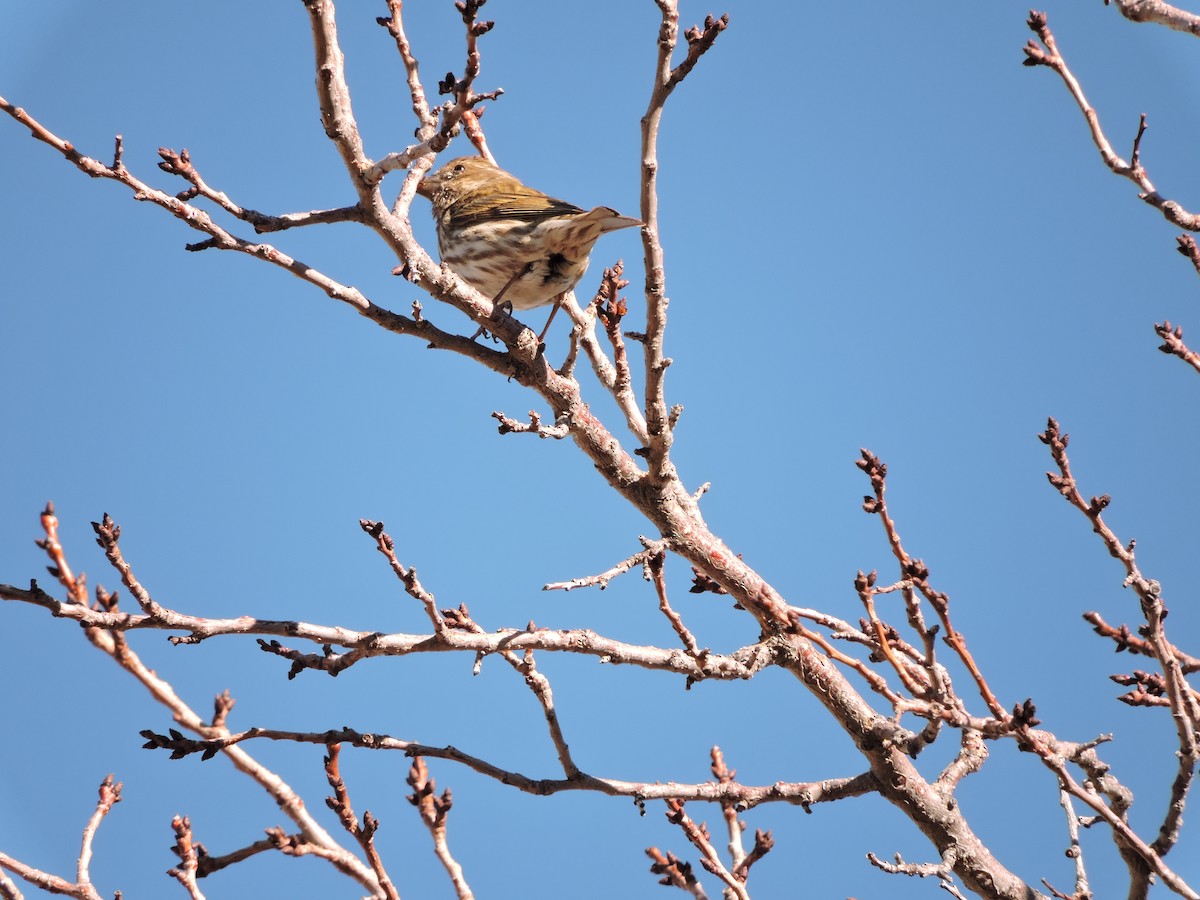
{"x":513,"y":243}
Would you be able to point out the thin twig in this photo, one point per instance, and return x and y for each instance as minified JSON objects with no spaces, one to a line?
{"x":112,"y":643}
{"x":363,"y":832}
{"x":408,"y":577}
{"x":601,"y":579}
{"x":1074,"y":851}
{"x":1047,"y":54}
{"x":666,"y":79}
{"x":1173,"y":344}
{"x":915,"y":571}
{"x":110,"y":794}
{"x":675,"y":872}
{"x":657,"y":565}
{"x":1185,"y":706}
{"x":433,"y":811}
{"x":1159,"y":13}
{"x":698,"y":834}
{"x":802,"y":794}
{"x":187,"y":850}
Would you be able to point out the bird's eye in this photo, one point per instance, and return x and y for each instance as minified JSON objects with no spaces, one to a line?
{"x":459,"y":168}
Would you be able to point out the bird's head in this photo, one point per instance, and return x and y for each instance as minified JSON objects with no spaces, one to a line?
{"x":459,"y":178}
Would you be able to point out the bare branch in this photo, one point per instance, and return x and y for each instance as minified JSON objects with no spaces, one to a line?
{"x":1159,"y":13}
{"x":804,"y":794}
{"x":656,"y":564}
{"x":1047,"y":54}
{"x":601,"y":580}
{"x":916,"y":572}
{"x":558,"y":431}
{"x":1074,"y":849}
{"x":1125,"y":640}
{"x":8,"y":887}
{"x":433,"y":810}
{"x":44,"y":880}
{"x":82,"y":888}
{"x":675,"y":873}
{"x":1173,"y":344}
{"x":181,"y":164}
{"x":365,"y":644}
{"x":943,"y":871}
{"x":698,"y":834}
{"x":112,"y":642}
{"x":110,"y":794}
{"x":186,"y":849}
{"x":363,"y":832}
{"x":665,"y":80}
{"x":426,"y":121}
{"x":408,"y":577}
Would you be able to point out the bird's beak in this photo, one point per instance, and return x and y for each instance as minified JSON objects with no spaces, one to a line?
{"x":425,"y":188}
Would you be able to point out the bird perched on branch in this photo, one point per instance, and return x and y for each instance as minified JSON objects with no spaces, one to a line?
{"x":514,"y":244}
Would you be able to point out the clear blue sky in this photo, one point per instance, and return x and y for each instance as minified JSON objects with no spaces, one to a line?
{"x":881,"y":231}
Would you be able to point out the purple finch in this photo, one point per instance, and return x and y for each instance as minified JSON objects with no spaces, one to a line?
{"x":514,"y":244}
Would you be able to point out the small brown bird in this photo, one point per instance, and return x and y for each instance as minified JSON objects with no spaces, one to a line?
{"x":514,"y":244}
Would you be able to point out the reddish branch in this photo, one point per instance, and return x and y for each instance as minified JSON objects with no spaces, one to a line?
{"x":657,"y":564}
{"x":1125,"y":640}
{"x":697,"y":834}
{"x":363,"y":832}
{"x":916,"y":572}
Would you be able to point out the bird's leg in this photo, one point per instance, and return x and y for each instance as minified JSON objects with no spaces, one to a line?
{"x":519,"y":274}
{"x":553,"y":311}
{"x":499,"y":298}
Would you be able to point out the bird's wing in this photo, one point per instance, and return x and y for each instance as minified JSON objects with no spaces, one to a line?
{"x":529,"y":206}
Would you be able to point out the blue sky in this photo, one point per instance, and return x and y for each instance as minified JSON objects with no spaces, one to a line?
{"x":881,"y":231}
